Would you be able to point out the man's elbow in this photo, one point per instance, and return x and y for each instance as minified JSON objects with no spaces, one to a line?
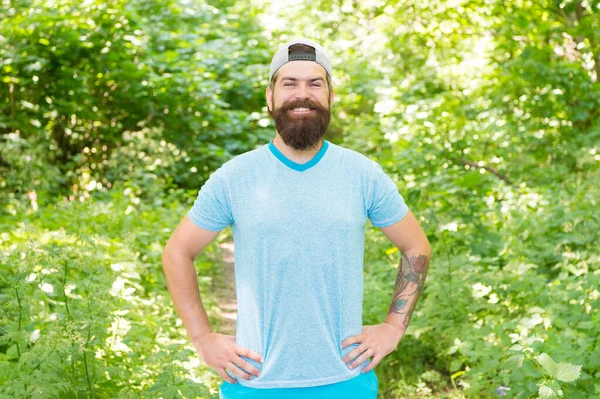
{"x":422,"y":246}
{"x":173,"y":254}
{"x":167,"y":254}
{"x":422,"y":250}
{"x":427,"y":247}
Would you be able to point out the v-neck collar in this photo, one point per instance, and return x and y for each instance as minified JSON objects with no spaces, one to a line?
{"x":300,"y":167}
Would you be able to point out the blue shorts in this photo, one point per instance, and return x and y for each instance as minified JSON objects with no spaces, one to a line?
{"x":363,"y":386}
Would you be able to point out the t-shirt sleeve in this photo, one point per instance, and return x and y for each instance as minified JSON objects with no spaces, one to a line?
{"x":212,"y":207}
{"x":385,"y":205}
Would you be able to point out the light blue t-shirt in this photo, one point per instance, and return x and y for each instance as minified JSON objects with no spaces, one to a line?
{"x":298,"y":233}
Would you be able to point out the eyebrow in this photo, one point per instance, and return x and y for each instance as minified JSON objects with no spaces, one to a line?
{"x":296,"y":79}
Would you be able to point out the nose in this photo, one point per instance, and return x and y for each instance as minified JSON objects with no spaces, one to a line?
{"x":302,"y":91}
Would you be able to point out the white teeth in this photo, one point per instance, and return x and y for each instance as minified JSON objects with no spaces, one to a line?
{"x":301,"y":109}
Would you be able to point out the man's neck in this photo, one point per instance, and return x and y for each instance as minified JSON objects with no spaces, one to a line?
{"x":293,"y":154}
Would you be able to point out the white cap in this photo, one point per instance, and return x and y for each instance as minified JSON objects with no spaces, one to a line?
{"x":282,"y":56}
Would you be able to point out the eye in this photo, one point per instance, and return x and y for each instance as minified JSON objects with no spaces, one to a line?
{"x":288,"y":84}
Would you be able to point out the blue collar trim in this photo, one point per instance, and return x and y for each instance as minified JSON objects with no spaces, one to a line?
{"x":299,"y":166}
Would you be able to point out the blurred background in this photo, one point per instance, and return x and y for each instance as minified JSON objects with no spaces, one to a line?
{"x":486,"y":113}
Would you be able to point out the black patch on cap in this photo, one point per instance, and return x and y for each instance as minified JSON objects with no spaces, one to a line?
{"x":302,"y":56}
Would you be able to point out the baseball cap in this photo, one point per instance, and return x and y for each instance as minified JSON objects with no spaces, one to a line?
{"x":282,"y":56}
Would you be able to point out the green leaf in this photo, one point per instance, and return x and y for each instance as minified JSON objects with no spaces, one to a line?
{"x":547,"y":363}
{"x":560,"y":323}
{"x":12,"y":352}
{"x":515,"y":361}
{"x":567,"y":372}
{"x":455,"y":364}
{"x":550,"y":390}
{"x":545,"y":392}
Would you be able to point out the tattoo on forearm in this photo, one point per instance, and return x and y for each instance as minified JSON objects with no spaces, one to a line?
{"x":409,"y":284}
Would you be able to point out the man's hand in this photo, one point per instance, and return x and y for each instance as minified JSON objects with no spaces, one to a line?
{"x":377,"y":341}
{"x":221,"y":352}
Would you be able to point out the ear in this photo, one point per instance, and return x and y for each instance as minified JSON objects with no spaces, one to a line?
{"x":331,"y":98}
{"x":269,"y":95}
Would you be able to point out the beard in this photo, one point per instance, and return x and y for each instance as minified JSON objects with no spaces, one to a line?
{"x":301,"y":131}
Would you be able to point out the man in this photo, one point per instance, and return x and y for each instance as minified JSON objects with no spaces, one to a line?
{"x":297,"y":208}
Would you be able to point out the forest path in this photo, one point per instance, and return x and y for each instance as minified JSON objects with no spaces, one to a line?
{"x":224,"y":290}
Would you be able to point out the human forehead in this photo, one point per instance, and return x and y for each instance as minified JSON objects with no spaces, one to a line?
{"x":301,"y":70}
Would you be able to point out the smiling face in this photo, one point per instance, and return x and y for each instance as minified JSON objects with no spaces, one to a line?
{"x":300,"y":104}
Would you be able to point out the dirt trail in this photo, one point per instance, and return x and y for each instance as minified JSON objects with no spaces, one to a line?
{"x":224,"y":290}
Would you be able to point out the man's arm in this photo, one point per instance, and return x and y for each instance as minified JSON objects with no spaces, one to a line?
{"x":178,"y":256}
{"x":410,"y":239}
{"x":216,"y":350}
{"x":381,"y":339}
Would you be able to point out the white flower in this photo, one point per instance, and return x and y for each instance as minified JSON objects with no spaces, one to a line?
{"x":47,"y":288}
{"x":452,"y":226}
{"x":35,"y":335}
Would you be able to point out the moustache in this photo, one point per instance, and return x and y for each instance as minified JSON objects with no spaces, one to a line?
{"x":302,"y":104}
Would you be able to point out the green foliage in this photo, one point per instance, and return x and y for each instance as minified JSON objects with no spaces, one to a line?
{"x":486,"y":113}
{"x":498,"y":318}
{"x":84,"y":307}
{"x":74,"y":76}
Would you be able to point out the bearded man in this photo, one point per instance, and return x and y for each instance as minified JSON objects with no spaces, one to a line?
{"x":297,"y":207}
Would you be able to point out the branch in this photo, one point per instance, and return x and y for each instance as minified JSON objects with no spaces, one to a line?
{"x":490,"y":169}
{"x":596,"y":57}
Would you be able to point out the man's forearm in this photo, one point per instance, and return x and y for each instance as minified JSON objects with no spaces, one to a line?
{"x":410,"y":280}
{"x":182,"y":283}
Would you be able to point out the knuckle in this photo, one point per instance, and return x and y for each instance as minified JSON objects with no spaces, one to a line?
{"x":251,"y":369}
{"x":245,"y":376}
{"x":241,"y":373}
